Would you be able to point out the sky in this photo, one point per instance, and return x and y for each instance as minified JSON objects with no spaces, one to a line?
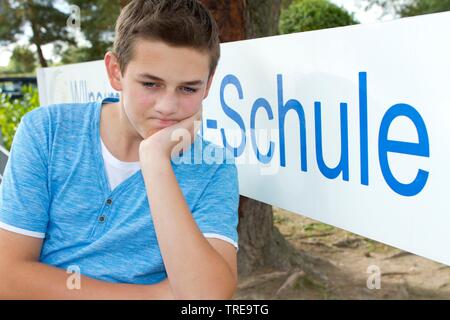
{"x":352,"y":6}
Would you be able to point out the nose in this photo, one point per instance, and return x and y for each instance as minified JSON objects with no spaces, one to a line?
{"x":166,"y":104}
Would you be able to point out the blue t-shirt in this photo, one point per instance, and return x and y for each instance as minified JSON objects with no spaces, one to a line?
{"x":55,"y":187}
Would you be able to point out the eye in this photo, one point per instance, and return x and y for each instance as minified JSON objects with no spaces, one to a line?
{"x":189,"y":90}
{"x":149,"y":84}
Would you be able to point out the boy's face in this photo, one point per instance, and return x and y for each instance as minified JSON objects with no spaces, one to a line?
{"x":156,"y":85}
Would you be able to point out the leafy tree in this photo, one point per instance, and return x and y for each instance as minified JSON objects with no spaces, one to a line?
{"x":47,"y":23}
{"x":74,"y":54}
{"x":408,"y":8}
{"x":22,"y":60}
{"x":97,"y":26}
{"x":286,"y":3}
{"x":307,"y":15}
{"x":9,"y":23}
{"x":388,"y":6}
{"x":419,"y":7}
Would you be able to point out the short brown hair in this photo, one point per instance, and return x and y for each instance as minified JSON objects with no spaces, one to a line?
{"x":181,"y":23}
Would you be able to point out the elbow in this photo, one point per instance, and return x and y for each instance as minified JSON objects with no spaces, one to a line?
{"x":226,"y":292}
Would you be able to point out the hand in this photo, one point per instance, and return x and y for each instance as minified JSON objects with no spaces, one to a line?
{"x":171,"y":140}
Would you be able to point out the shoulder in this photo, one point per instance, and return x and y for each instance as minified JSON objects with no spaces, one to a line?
{"x":49,"y":117}
{"x":67,"y":111}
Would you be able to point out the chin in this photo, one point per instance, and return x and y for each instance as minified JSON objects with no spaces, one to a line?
{"x":148,"y":132}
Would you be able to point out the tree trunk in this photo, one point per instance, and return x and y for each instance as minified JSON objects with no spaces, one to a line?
{"x":230,"y":17}
{"x":36,"y":38}
{"x":123,"y":3}
{"x":42,"y":60}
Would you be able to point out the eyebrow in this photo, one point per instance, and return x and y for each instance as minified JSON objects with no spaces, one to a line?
{"x":152,"y":77}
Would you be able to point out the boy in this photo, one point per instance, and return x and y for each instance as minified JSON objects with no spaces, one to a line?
{"x":93,"y":187}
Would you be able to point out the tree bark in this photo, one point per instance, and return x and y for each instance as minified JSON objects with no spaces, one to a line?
{"x":230,"y":17}
{"x":36,"y":34}
{"x":123,"y":3}
{"x":42,"y":60}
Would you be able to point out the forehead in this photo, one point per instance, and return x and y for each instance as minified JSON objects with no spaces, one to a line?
{"x":168,"y":62}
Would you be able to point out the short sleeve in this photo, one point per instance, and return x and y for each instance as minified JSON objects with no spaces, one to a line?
{"x":24,"y":194}
{"x":216,"y":212}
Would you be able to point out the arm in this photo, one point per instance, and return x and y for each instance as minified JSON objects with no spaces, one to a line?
{"x":24,"y":203}
{"x":197,"y":268}
{"x":22,"y":276}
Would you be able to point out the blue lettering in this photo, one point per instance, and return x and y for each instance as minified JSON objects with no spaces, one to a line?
{"x":421,"y":148}
{"x":282,"y":111}
{"x":384,"y":144}
{"x":342,"y":166}
{"x":363,"y":139}
{"x":261,"y":103}
{"x":231,"y":79}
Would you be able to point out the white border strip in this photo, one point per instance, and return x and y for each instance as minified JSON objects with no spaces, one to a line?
{"x":3,"y":150}
{"x":22,"y":231}
{"x":221,"y":237}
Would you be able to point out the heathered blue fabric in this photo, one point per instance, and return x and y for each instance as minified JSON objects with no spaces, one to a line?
{"x":55,"y":183}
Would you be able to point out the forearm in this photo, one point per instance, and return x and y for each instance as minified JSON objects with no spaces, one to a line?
{"x":194,"y":268}
{"x":35,"y":280}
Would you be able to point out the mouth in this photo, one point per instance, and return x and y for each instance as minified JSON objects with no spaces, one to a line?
{"x":164,"y":122}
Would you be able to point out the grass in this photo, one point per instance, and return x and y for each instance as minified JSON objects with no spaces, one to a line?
{"x":317,"y":227}
{"x":308,"y":283}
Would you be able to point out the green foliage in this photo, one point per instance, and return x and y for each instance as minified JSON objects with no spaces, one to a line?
{"x":408,"y":8}
{"x":307,"y":15}
{"x":75,"y":54}
{"x":286,"y":3}
{"x":9,"y":23}
{"x":12,"y":111}
{"x":47,"y":23}
{"x":419,"y":7}
{"x":391,"y":7}
{"x":317,"y":228}
{"x":98,"y":19}
{"x":23,"y":60}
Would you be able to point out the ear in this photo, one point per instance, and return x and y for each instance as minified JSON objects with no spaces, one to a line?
{"x":113,"y":70}
{"x":208,"y":85}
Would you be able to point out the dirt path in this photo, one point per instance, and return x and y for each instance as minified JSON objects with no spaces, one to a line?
{"x":345,"y":261}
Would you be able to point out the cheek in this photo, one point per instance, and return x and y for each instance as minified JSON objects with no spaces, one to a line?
{"x":191,"y":106}
{"x":143,"y":103}
{"x":138,"y":95}
{"x":139,"y":103}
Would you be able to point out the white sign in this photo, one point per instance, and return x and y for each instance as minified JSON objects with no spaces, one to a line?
{"x":348,"y":126}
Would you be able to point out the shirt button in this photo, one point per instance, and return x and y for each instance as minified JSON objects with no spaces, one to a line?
{"x":109,"y":201}
{"x":101,"y":218}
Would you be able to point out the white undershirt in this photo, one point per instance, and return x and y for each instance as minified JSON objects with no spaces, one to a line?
{"x":117,"y":170}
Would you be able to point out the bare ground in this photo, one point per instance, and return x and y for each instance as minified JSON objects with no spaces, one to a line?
{"x":343,"y":263}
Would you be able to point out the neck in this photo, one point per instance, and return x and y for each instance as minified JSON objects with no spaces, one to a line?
{"x":118,"y":135}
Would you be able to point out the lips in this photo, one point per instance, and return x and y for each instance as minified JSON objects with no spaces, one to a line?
{"x":165,"y":122}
